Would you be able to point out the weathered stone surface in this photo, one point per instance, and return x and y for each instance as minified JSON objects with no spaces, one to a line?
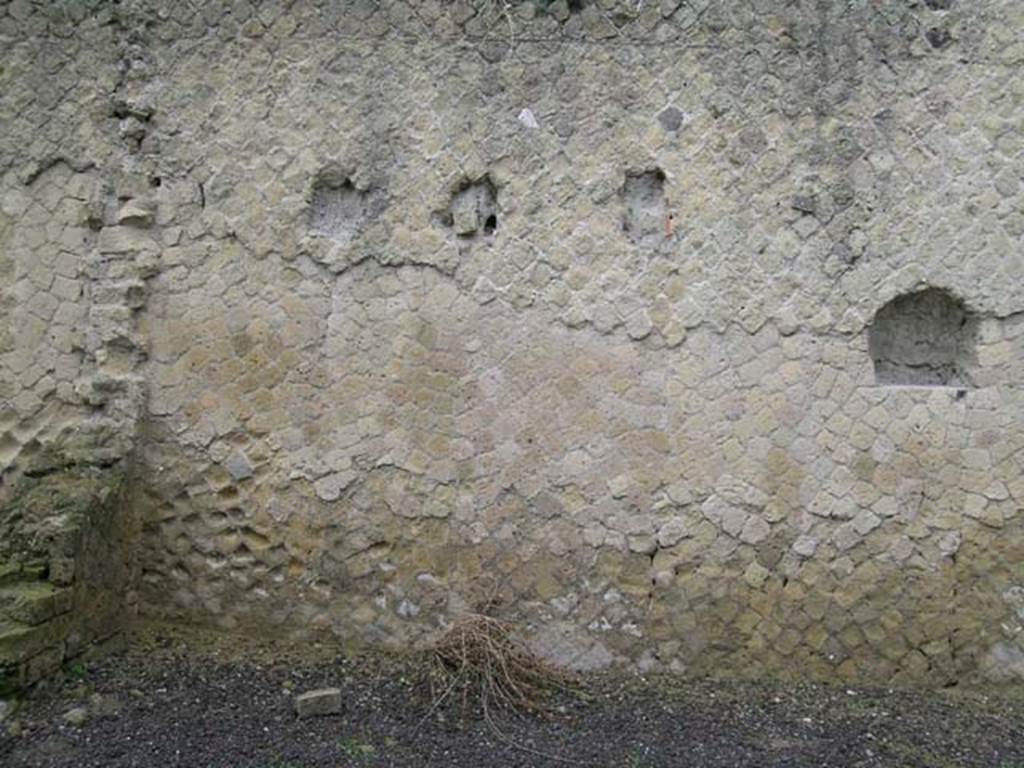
{"x":10,"y":678}
{"x":65,"y":570}
{"x":325,"y":701}
{"x":697,"y":336}
{"x":34,"y":602}
{"x":238,"y":466}
{"x":20,"y":642}
{"x":77,"y":717}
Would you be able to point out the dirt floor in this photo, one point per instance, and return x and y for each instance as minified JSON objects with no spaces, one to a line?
{"x":172,"y":702}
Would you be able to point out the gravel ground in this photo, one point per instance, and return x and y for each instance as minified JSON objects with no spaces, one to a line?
{"x":172,"y":702}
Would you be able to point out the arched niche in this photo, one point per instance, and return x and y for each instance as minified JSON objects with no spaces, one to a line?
{"x":925,"y":338}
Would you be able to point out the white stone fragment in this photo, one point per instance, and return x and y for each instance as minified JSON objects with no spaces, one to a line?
{"x":527,"y":118}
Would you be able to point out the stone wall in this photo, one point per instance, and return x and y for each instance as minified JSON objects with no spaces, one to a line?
{"x":64,"y":570}
{"x":75,"y":253}
{"x":693,"y":330}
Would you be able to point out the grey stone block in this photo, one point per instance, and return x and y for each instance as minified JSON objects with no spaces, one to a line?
{"x":324,"y":701}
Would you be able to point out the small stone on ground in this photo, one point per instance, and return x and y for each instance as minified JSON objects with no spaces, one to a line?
{"x":232,"y":708}
{"x":325,"y":701}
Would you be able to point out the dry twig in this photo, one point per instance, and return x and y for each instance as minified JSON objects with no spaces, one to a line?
{"x":481,"y":661}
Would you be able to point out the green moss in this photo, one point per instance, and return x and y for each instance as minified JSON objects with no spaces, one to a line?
{"x":20,"y":642}
{"x":8,"y":680}
{"x":10,"y":572}
{"x":14,"y":572}
{"x":33,"y":602}
{"x":54,"y":532}
{"x":43,"y":516}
